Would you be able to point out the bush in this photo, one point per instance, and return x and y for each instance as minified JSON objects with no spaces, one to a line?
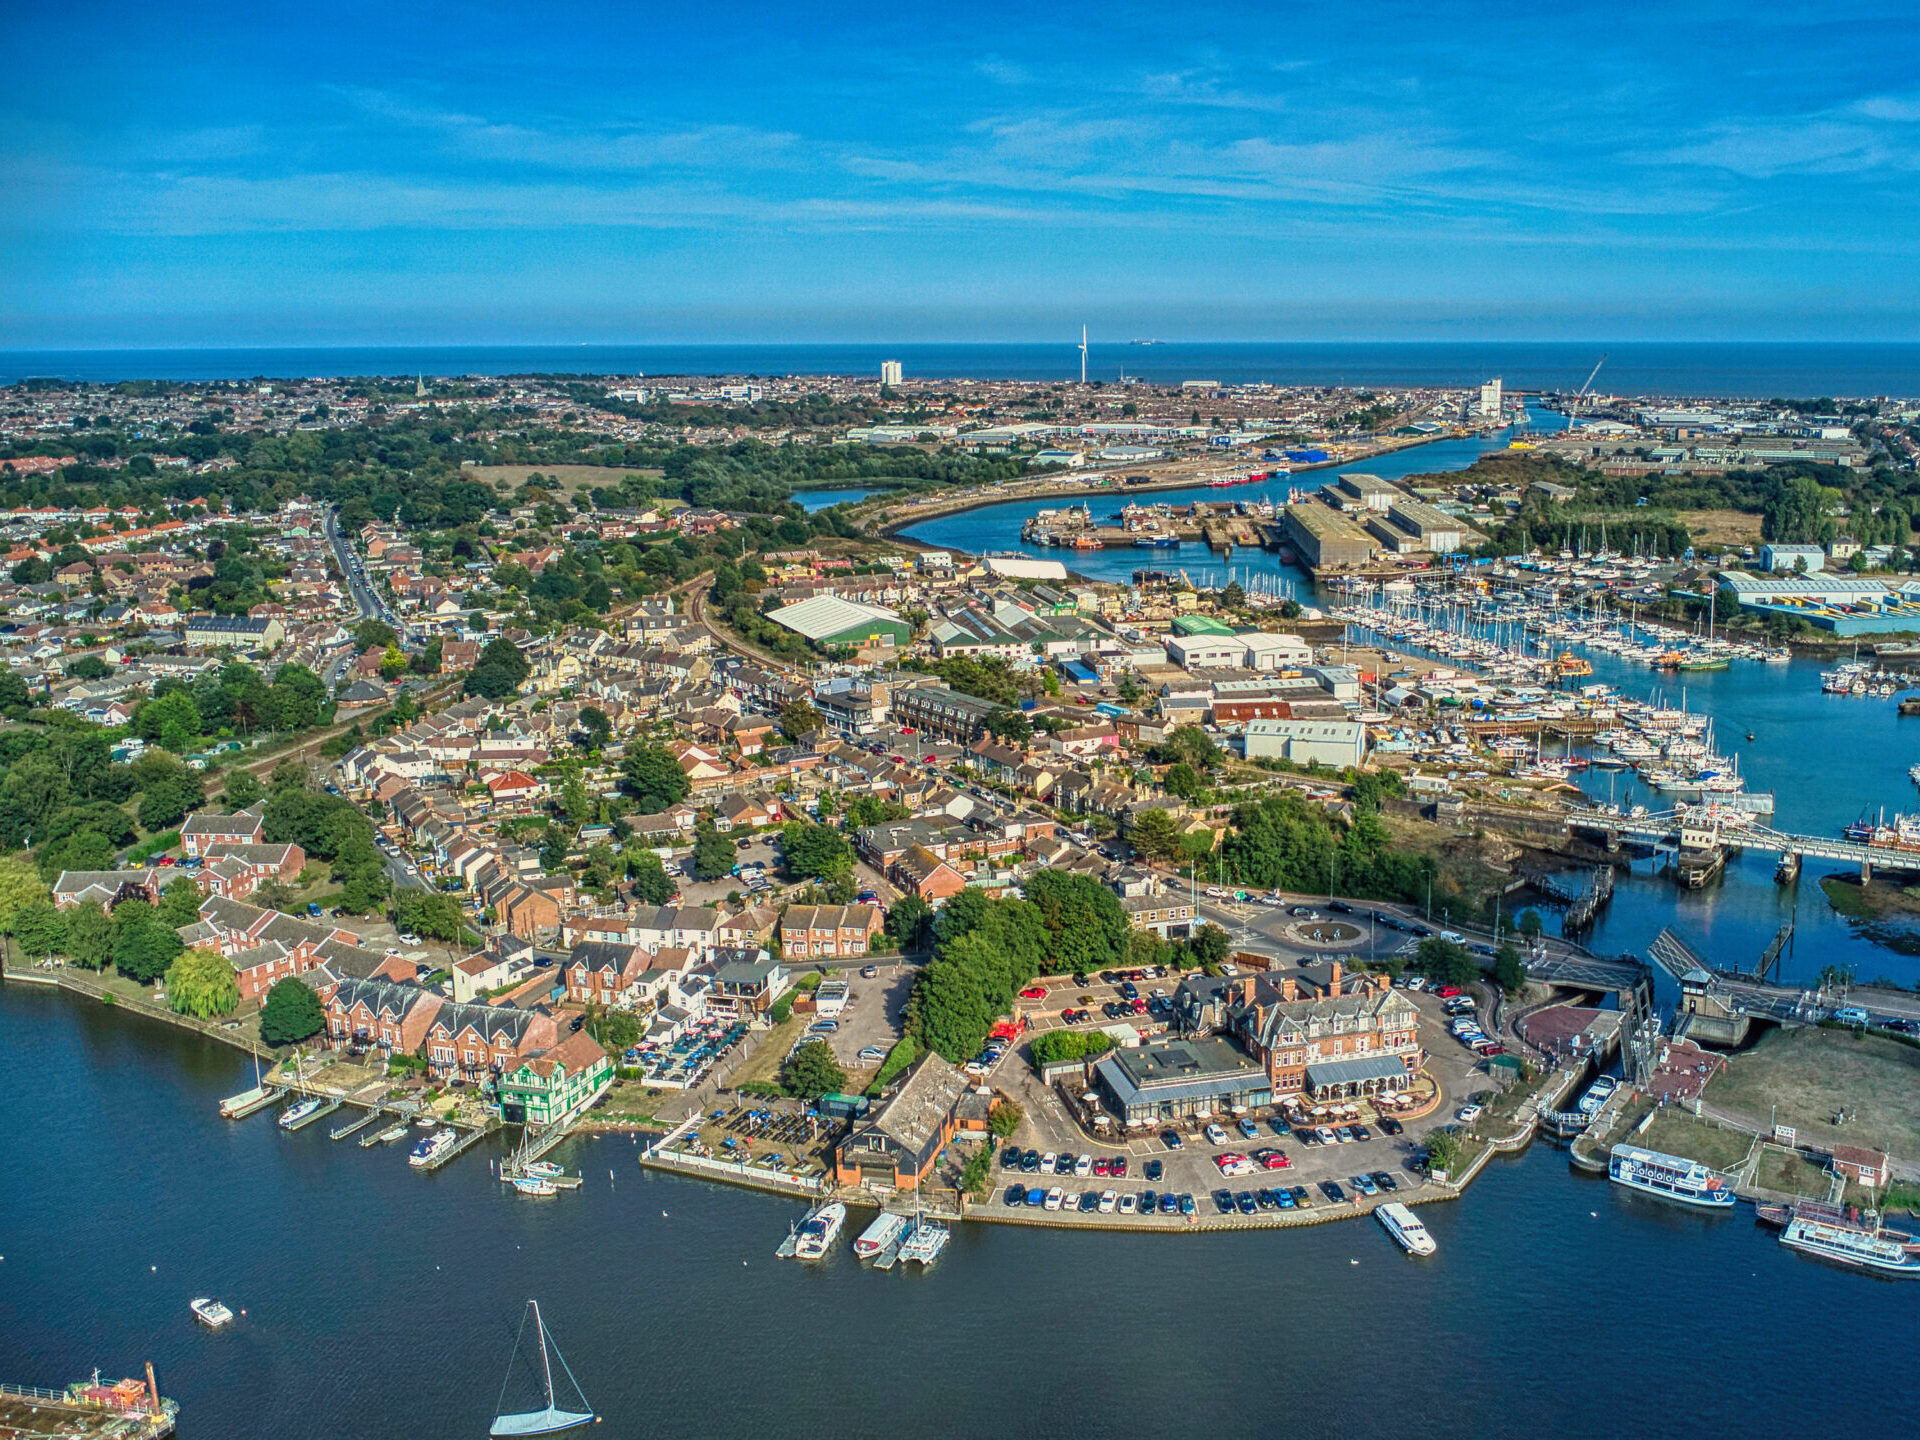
{"x":903,"y":1054}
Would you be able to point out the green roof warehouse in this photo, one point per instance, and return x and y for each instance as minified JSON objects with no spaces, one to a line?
{"x":829,"y":620}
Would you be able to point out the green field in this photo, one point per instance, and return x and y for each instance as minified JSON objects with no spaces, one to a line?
{"x":1675,"y":1132}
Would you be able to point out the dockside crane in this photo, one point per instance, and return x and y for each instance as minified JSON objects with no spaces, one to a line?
{"x":1580,"y":396}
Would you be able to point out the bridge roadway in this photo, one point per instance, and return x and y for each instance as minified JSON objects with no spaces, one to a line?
{"x":1666,"y":826}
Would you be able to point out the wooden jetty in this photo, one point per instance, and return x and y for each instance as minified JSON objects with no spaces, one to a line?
{"x":466,"y":1142}
{"x":340,"y":1132}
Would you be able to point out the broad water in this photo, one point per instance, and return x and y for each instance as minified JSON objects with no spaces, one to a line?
{"x":381,"y":1304}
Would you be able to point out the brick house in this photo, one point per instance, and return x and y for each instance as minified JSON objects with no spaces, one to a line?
{"x":203,"y":830}
{"x":827,"y":931}
{"x":894,"y":1148}
{"x":1867,"y":1168}
{"x":106,"y":888}
{"x":920,"y":872}
{"x":526,"y":911}
{"x":380,"y":1014}
{"x":236,"y":871}
{"x":473,"y":1042}
{"x":598,"y":973}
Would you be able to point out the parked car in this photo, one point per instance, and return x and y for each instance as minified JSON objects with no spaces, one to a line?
{"x":1187,"y":1206}
{"x":1216,"y":1137}
{"x":1223,"y":1201}
{"x":1468,"y":1113}
{"x":1391,"y":1125}
{"x":1386,"y":1181}
{"x":1170,"y":1204}
{"x":1154,"y":1169}
{"x":1249,"y":1128}
{"x":1032,"y":992}
{"x":1016,"y":1196}
{"x":1083,"y":1167}
{"x":1245,"y":1202}
{"x":1364,"y":1184}
{"x":1331,"y":1189}
{"x":1171,"y":1139}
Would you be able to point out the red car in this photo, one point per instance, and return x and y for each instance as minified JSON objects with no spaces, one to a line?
{"x":1447,"y":992}
{"x":1102,"y":1167}
{"x":1034,"y":992}
{"x":1272,"y":1159}
{"x":1118,"y":1169}
{"x":1140,"y":1007}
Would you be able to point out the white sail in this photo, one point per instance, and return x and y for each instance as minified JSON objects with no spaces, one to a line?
{"x":551,"y":1419}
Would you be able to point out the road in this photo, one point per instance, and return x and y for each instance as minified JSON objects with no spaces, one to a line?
{"x":370,"y":605}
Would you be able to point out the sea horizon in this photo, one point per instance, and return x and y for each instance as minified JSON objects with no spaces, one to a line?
{"x":1707,"y":369}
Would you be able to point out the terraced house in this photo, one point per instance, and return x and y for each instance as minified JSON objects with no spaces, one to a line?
{"x":1343,"y":1036}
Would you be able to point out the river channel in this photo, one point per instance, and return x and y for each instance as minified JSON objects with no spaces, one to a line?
{"x":382,"y":1303}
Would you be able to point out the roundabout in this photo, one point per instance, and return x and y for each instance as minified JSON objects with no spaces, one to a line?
{"x":1324,"y":934}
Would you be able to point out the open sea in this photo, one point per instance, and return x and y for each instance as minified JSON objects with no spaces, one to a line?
{"x":1731,"y":369}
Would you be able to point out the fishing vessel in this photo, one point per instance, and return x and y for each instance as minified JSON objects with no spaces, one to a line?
{"x":884,"y":1231}
{"x":1669,"y":1177}
{"x":1405,"y":1228}
{"x":1847,"y":1245}
{"x":298,"y":1111}
{"x":819,"y":1230}
{"x":209,"y":1312}
{"x":430,"y":1149}
{"x":550,"y":1419}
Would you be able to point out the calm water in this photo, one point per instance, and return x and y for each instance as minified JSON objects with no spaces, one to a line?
{"x":382,"y":1303}
{"x":811,"y":500}
{"x":1632,"y":368}
{"x":1825,"y":758}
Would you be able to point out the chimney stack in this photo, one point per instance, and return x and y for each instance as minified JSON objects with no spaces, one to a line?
{"x":1289,"y":989}
{"x":1334,"y":984}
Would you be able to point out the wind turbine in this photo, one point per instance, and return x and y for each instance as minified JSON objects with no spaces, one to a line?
{"x":1083,"y":354}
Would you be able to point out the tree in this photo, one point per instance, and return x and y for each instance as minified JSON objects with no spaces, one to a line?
{"x":500,"y":670}
{"x":1011,"y":726}
{"x":425,"y":912}
{"x":618,"y":1031}
{"x":908,"y":922}
{"x":180,"y":902}
{"x":1508,"y":973}
{"x":242,"y":789}
{"x":1234,"y":597}
{"x":712,"y":852}
{"x":865,"y":810}
{"x":595,"y":726}
{"x":1529,"y":924}
{"x":1084,"y":921}
{"x":1209,"y":945}
{"x":143,"y":946}
{"x":798,"y":719}
{"x":40,"y":928}
{"x":171,"y":790}
{"x":1154,"y":834}
{"x":89,"y":936}
{"x":1186,"y":782}
{"x":201,"y":983}
{"x":374,"y":635}
{"x":948,"y":1013}
{"x":292,"y":1013}
{"x":811,"y":1071}
{"x":20,"y":886}
{"x":1444,"y":962}
{"x":89,"y":667}
{"x":1189,"y":744}
{"x":814,"y":852}
{"x":654,"y":778}
{"x":1004,"y":1117}
{"x":651,"y":882}
{"x":172,"y":720}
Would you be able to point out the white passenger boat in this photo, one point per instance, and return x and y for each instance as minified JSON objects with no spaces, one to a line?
{"x":1405,"y":1228}
{"x":430,"y":1149}
{"x":210,"y":1313}
{"x":298,"y":1111}
{"x":1846,"y":1245}
{"x":886,"y":1228}
{"x":819,"y":1230}
{"x":1669,"y":1176}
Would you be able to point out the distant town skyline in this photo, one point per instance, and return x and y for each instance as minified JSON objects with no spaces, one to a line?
{"x":236,"y":175}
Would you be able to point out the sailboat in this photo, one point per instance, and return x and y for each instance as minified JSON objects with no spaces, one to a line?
{"x":551,"y":1420}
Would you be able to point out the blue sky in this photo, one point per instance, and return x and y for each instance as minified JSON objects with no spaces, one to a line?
{"x":416,"y":173}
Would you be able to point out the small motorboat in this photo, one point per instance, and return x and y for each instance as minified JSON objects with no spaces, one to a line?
{"x":209,"y":1312}
{"x":535,"y":1185}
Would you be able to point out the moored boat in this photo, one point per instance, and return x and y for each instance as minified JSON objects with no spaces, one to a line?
{"x":928,"y":1239}
{"x":819,"y":1230}
{"x":1668,"y":1176}
{"x":210,"y":1312}
{"x":1405,"y":1227}
{"x":1847,"y":1245}
{"x":430,"y":1149}
{"x":535,"y":1185}
{"x":298,"y":1111}
{"x":884,"y":1231}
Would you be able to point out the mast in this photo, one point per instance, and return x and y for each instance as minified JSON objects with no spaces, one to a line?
{"x":546,"y":1365}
